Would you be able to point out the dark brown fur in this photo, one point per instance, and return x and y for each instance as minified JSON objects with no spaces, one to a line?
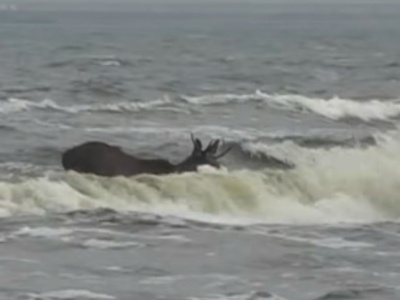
{"x":107,"y":160}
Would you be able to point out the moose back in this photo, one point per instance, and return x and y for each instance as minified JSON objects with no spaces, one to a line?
{"x":108,"y":160}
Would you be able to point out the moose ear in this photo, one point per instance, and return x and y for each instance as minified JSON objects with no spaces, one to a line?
{"x":212,"y":147}
{"x":197,"y":146}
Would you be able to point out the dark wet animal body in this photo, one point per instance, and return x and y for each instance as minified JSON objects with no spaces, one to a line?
{"x":107,"y":160}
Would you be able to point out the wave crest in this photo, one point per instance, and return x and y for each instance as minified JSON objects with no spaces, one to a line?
{"x":333,"y":108}
{"x":304,"y":195}
{"x":16,"y":105}
{"x":328,"y":185}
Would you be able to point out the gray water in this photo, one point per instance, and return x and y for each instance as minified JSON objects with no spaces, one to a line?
{"x":313,"y":84}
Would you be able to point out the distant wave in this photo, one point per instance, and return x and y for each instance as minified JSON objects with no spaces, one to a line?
{"x":100,"y":60}
{"x":328,"y":141}
{"x":25,"y":90}
{"x":333,"y":108}
{"x":70,"y":294}
{"x":15,"y":105}
{"x":97,"y":60}
{"x":100,"y":86}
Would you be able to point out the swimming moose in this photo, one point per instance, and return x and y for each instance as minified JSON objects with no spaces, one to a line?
{"x":107,"y":160}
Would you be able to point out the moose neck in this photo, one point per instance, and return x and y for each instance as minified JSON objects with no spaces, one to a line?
{"x":187,"y":165}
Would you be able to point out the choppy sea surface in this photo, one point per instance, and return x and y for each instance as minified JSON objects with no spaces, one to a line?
{"x":314,"y":85}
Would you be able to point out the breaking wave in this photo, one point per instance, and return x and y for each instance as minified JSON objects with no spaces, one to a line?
{"x":334,"y":108}
{"x":327,"y":186}
{"x":16,"y":105}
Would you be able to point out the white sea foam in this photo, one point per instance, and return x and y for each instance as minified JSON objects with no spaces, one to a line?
{"x":327,"y":186}
{"x":160,"y":280}
{"x":16,"y":105}
{"x":332,"y":108}
{"x":43,"y":232}
{"x":108,"y":244}
{"x":109,"y":63}
{"x":70,"y":294}
{"x":337,"y":108}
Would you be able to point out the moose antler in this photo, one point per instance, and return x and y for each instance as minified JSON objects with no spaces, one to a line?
{"x":212,"y":147}
{"x":196,"y":143}
{"x":193,"y":139}
{"x":226,"y":151}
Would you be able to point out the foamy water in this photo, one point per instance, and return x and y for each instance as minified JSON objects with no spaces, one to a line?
{"x":326,"y":186}
{"x":331,"y":108}
{"x":14,"y":105}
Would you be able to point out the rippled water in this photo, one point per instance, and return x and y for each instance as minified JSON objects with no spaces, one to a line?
{"x":312,"y":86}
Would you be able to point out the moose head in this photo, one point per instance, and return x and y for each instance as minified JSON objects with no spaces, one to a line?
{"x":199,"y":157}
